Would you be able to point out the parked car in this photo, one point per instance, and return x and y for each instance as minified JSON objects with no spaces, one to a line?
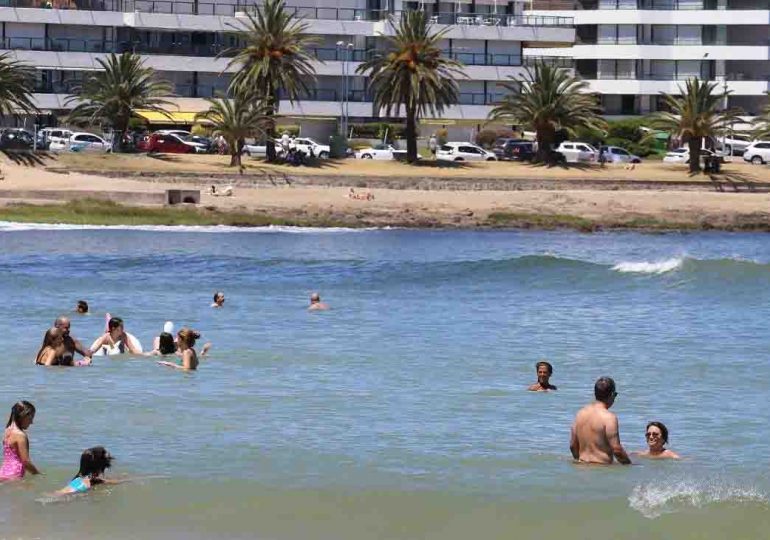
{"x":514,"y":149}
{"x":310,"y":147}
{"x":46,"y":135}
{"x":168,"y":143}
{"x":378,"y":151}
{"x":758,"y":152}
{"x":181,"y":133}
{"x":735,"y":144}
{"x":80,"y":142}
{"x":616,"y":154}
{"x":682,"y":155}
{"x":16,"y":139}
{"x":459,"y":151}
{"x":206,"y":143}
{"x":578,"y":152}
{"x":259,"y":149}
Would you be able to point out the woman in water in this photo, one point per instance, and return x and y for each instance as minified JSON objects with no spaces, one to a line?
{"x":16,"y":444}
{"x":186,"y":341}
{"x":93,"y":463}
{"x":52,"y":349}
{"x":116,"y":336}
{"x":657,"y":438}
{"x":219,"y":299}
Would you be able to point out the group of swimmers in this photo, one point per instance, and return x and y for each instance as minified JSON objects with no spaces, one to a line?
{"x":595,"y":434}
{"x":17,"y":462}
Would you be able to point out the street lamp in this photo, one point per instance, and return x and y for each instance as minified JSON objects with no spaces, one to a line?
{"x":346,"y":49}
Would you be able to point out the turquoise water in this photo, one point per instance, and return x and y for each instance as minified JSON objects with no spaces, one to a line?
{"x":401,"y":413}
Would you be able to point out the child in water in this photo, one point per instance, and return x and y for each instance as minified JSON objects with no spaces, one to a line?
{"x":93,"y":463}
{"x":16,"y":444}
{"x":186,"y":341}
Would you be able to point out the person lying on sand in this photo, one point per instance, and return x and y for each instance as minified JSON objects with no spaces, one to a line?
{"x":595,"y":435}
{"x":657,"y":438}
{"x":544,"y":372}
{"x":366,"y":196}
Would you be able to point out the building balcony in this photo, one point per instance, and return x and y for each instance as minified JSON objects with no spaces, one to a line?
{"x":655,"y":84}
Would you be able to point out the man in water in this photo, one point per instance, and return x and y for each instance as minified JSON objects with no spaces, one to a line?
{"x":219,"y":299}
{"x":82,"y":307}
{"x":70,"y":345}
{"x":544,"y":372}
{"x":595,"y":436}
{"x":316,"y":304}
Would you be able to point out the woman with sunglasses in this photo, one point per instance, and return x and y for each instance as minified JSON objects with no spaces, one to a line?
{"x":657,"y":438}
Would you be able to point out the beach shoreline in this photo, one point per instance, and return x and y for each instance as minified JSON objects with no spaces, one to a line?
{"x":450,"y":199}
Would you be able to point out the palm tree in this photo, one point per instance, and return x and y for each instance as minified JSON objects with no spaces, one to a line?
{"x":114,"y":94}
{"x":549,"y":99}
{"x":762,"y":123}
{"x":412,"y":73}
{"x":273,"y":61}
{"x":235,"y":120}
{"x":696,"y":112}
{"x":16,"y":87}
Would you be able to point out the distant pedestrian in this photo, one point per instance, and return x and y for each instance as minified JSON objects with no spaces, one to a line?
{"x":433,"y":145}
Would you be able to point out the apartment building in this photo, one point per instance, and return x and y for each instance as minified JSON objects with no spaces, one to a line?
{"x":183,"y":41}
{"x":631,"y":50}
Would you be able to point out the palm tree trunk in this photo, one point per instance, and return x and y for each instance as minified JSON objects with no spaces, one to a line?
{"x":271,"y":155}
{"x":236,"y":153}
{"x":694,"y":145}
{"x":411,"y":135}
{"x":544,"y":140}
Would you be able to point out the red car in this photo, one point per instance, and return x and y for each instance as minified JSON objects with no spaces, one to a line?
{"x":167,"y":144}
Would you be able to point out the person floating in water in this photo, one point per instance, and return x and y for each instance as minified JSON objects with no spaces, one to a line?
{"x":316,"y":304}
{"x":93,"y":462}
{"x":82,"y":307}
{"x":16,"y":460}
{"x":657,"y":438}
{"x":219,"y":299}
{"x":544,"y":371}
{"x":595,"y":436}
{"x":186,"y":340}
{"x":70,"y":344}
{"x":116,"y":336}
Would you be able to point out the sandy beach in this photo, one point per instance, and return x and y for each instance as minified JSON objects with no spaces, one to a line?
{"x":666,"y":205}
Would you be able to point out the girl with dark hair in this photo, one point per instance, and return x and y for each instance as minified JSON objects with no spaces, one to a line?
{"x":186,"y":338}
{"x":16,"y":444}
{"x":657,"y":438}
{"x":93,"y":463}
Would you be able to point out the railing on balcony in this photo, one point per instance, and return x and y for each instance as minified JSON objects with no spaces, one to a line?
{"x":208,"y":7}
{"x":647,"y":76}
{"x":480,"y":98}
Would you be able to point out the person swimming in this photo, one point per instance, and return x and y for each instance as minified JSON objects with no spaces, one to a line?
{"x":544,"y":371}
{"x":316,"y":304}
{"x":116,"y":335}
{"x":70,"y":345}
{"x":81,"y":307}
{"x":656,"y":435}
{"x":186,"y":338}
{"x":219,"y":299}
{"x":93,"y":463}
{"x":16,"y":443}
{"x":52,"y":348}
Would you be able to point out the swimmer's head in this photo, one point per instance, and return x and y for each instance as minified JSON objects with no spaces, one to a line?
{"x":604,"y":390}
{"x":63,"y":324}
{"x":53,"y":337}
{"x":115,"y":323}
{"x":219,"y":298}
{"x":166,"y":343}
{"x":656,"y":434}
{"x":94,"y":461}
{"x":544,"y":371}
{"x":82,"y":306}
{"x":315,"y":298}
{"x":188,"y":336}
{"x":22,"y":414}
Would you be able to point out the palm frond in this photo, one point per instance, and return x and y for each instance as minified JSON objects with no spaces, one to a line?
{"x":16,"y":87}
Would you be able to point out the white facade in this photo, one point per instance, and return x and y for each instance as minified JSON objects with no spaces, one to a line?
{"x":631,"y":50}
{"x":182,"y":38}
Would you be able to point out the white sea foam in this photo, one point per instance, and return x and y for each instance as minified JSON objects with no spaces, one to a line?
{"x":658,"y":267}
{"x":654,"y":499}
{"x":11,"y":226}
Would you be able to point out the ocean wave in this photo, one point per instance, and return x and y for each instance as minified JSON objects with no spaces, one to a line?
{"x":655,"y":499}
{"x":657,"y":267}
{"x":13,"y":226}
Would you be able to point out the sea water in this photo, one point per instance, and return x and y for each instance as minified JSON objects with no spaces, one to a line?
{"x":401,"y":413}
